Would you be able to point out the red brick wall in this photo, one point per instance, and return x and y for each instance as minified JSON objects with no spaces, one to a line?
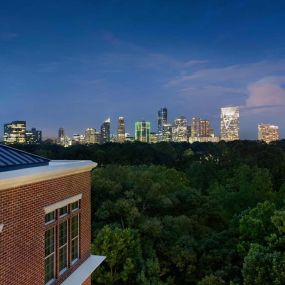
{"x":22,"y":240}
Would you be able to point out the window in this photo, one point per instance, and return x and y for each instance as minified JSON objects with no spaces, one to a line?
{"x":50,"y":217}
{"x":75,"y":206}
{"x":49,"y":255}
{"x":62,"y":236}
{"x":63,"y":211}
{"x":74,"y":238}
{"x":63,"y":251}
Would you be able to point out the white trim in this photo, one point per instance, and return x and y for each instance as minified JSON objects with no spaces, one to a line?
{"x":62,"y":203}
{"x":55,"y":169}
{"x":84,"y":270}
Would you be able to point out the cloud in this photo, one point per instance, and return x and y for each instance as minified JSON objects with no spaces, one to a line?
{"x":195,"y":62}
{"x":238,"y":72}
{"x":213,"y":90}
{"x":266,"y":93}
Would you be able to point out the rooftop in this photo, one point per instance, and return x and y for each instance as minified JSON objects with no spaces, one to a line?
{"x":18,"y":168}
{"x":12,"y":159}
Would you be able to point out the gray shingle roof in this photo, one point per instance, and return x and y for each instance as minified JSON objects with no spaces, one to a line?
{"x":11,"y":159}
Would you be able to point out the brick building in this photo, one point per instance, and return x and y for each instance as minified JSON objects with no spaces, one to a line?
{"x":45,"y":226}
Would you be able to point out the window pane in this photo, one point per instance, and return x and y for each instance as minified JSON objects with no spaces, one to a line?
{"x":49,"y":242}
{"x":49,"y":268}
{"x":63,"y":258}
{"x":74,"y":249}
{"x":74,"y":226}
{"x":50,"y":217}
{"x":63,"y":233}
{"x":63,"y":211}
{"x":75,"y":206}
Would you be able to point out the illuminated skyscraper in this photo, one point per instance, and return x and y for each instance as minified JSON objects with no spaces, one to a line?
{"x":195,"y":127}
{"x":201,"y":128}
{"x":179,"y":130}
{"x":121,"y":130}
{"x":162,"y":120}
{"x":205,"y":129}
{"x":90,"y":136}
{"x":62,"y":139}
{"x":142,"y":131}
{"x":154,"y":138}
{"x":167,"y":133}
{"x":268,"y":133}
{"x":33,"y":136}
{"x":230,"y":123}
{"x":15,"y":132}
{"x":105,"y":131}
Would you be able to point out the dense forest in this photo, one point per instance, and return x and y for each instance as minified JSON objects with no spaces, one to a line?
{"x":166,"y":213}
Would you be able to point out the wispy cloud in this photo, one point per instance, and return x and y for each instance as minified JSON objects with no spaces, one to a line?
{"x":238,"y":72}
{"x":195,"y":62}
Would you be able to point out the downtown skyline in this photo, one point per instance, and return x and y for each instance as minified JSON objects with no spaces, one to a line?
{"x":90,"y":61}
{"x":195,"y":127}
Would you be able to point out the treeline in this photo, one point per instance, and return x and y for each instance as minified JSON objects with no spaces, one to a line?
{"x":206,"y":214}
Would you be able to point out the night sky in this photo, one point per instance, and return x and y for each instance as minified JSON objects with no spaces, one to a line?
{"x":73,"y":64}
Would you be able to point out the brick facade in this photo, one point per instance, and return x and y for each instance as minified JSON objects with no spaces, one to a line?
{"x":22,"y":239}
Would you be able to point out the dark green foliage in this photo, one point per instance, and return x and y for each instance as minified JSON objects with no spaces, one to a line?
{"x":173,"y":213}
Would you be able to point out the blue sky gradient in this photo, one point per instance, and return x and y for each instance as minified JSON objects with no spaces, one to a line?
{"x":72,"y":63}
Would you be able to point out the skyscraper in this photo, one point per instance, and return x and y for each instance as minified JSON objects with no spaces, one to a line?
{"x":90,"y":136}
{"x":33,"y":136}
{"x":205,"y":129}
{"x":230,"y":123}
{"x":167,"y":133}
{"x":162,"y":119}
{"x":201,"y":128}
{"x":268,"y":133}
{"x":121,"y":130}
{"x":60,"y":133}
{"x":142,"y":131}
{"x":195,"y":127}
{"x":15,"y":132}
{"x":179,"y":130}
{"x":105,"y":131}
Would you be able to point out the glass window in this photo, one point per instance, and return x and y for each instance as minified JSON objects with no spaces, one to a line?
{"x":74,"y":249}
{"x":50,"y":217}
{"x":63,"y":246}
{"x":49,"y":255}
{"x":63,"y":211}
{"x":75,"y":206}
{"x":62,"y":243}
{"x":75,"y":238}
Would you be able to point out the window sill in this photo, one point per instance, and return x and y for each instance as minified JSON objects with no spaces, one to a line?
{"x":50,"y":282}
{"x":84,"y":270}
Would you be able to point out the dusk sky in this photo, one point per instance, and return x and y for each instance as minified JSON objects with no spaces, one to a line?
{"x":72,"y":64}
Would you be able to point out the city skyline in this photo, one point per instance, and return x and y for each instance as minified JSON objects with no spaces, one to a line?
{"x":192,"y":57}
{"x":204,"y":126}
